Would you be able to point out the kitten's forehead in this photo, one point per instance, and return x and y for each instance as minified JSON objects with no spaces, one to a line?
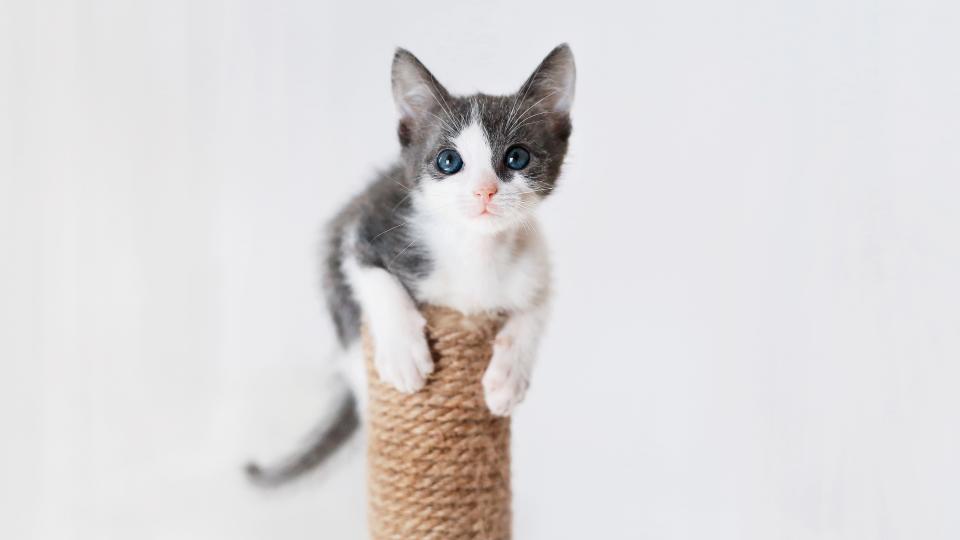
{"x":494,"y":114}
{"x":499,"y":117}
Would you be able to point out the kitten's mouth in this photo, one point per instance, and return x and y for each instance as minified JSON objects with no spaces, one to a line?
{"x":486,"y":212}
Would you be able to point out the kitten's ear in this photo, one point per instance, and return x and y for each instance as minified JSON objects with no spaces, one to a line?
{"x":415,"y":91}
{"x":553,"y":82}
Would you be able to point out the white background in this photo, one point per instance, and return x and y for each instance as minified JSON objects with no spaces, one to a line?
{"x":757,"y":327}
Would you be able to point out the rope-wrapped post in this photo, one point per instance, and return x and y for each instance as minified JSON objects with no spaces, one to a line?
{"x":438,"y":461}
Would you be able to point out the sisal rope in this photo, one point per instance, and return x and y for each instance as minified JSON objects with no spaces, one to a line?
{"x":438,"y":461}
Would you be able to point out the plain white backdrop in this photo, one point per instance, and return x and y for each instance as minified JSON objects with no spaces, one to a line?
{"x":757,"y":325}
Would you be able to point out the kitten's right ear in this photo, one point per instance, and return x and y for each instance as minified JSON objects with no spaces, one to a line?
{"x":416,"y":92}
{"x":552,"y":83}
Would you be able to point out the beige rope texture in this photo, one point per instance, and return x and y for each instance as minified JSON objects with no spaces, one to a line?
{"x":438,"y":461}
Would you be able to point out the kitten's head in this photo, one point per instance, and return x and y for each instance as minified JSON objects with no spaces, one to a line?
{"x":484,"y":161}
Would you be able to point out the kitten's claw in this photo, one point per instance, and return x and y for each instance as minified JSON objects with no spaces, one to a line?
{"x":401,"y":355}
{"x":504,"y":383}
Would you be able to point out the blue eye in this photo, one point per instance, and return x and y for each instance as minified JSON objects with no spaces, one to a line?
{"x":449,"y":161}
{"x":517,"y":157}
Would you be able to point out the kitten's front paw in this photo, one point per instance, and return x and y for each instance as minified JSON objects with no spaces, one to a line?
{"x":505,"y":382}
{"x":401,"y":354}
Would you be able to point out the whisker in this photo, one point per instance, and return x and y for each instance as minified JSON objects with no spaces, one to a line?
{"x":520,"y":116}
{"x":533,"y":79}
{"x":443,"y":123}
{"x":389,"y":264}
{"x":539,"y":190}
{"x":390,"y":229}
{"x":432,"y":83}
{"x":405,"y":197}
{"x":526,"y":121}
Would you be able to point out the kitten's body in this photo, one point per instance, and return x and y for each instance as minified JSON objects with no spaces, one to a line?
{"x":465,"y":239}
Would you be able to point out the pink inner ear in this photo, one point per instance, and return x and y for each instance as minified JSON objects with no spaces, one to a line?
{"x":412,"y":103}
{"x":404,"y":132}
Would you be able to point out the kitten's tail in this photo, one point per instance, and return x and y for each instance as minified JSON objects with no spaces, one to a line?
{"x":322,"y":444}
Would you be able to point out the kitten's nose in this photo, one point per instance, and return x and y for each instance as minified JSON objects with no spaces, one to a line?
{"x":486,"y":192}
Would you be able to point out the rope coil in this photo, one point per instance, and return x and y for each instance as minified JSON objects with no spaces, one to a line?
{"x":438,"y":461}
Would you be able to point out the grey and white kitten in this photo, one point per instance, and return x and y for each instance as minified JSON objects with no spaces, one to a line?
{"x":451,"y":223}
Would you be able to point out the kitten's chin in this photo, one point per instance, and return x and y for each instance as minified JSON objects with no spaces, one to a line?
{"x":490,"y":223}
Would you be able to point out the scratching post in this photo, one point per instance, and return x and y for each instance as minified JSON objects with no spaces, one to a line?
{"x":438,"y":461}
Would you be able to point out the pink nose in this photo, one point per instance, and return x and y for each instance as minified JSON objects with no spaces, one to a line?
{"x":485,"y":192}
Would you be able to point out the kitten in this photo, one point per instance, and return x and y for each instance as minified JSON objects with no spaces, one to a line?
{"x":451,"y":223}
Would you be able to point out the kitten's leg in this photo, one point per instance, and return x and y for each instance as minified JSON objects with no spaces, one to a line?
{"x":401,"y":354}
{"x":514,"y":351}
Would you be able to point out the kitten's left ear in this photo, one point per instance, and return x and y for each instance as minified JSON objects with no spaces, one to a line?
{"x":417,"y":93}
{"x":553,"y":82}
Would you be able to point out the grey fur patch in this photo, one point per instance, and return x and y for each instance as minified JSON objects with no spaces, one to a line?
{"x":374,"y":226}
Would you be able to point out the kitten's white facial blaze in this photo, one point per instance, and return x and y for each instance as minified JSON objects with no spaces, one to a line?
{"x":478,"y":181}
{"x":475,"y":196}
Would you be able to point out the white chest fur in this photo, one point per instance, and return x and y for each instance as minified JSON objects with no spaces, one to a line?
{"x":474,"y":272}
